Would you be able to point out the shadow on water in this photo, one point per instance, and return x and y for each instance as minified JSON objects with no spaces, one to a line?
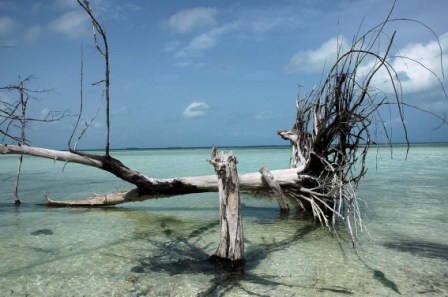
{"x":42,"y":232}
{"x":420,"y":248}
{"x":336,"y":290}
{"x":181,"y":255}
{"x":379,"y":275}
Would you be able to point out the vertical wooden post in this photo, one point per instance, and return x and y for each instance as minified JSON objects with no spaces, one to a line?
{"x":230,"y":252}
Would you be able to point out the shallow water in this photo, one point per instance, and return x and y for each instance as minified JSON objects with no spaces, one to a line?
{"x":160,"y":247}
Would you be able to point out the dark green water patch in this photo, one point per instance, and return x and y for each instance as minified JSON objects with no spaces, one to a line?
{"x":42,"y":232}
{"x":420,"y":248}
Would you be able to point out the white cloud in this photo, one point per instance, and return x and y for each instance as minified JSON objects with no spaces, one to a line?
{"x":205,"y":40}
{"x":315,"y":60}
{"x":44,"y":112}
{"x":266,"y":115}
{"x":7,"y":25}
{"x":409,"y":65}
{"x":263,"y":25}
{"x":33,"y":33}
{"x":196,"y":110}
{"x":414,"y":77}
{"x":263,"y":20}
{"x":172,"y":46}
{"x":73,"y":24}
{"x":188,"y":20}
{"x":123,"y":110}
{"x":118,"y":11}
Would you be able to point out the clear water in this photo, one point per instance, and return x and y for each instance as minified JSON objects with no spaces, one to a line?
{"x":160,"y":247}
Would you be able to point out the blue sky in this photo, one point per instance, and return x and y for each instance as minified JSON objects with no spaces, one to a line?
{"x":195,"y":73}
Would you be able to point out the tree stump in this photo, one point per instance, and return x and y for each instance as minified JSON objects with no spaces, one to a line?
{"x":230,"y":252}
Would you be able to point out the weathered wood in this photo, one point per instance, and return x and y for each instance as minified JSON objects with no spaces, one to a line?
{"x":276,"y":189}
{"x":16,"y":187}
{"x":230,"y":252}
{"x":55,"y":155}
{"x":147,"y":187}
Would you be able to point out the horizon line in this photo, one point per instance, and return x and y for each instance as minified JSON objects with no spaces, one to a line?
{"x":246,"y":146}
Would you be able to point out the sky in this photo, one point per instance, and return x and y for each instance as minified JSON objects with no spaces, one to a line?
{"x":197,"y":73}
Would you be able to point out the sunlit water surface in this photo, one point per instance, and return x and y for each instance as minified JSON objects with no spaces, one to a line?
{"x":160,"y":247}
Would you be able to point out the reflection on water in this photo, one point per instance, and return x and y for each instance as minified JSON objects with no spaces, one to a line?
{"x":161,"y":247}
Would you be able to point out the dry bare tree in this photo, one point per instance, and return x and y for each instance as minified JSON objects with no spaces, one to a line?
{"x":103,"y":49}
{"x":334,"y":127}
{"x":13,"y":117}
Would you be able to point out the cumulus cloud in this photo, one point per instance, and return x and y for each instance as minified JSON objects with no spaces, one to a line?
{"x":414,"y":77}
{"x":407,"y":64}
{"x":7,"y":25}
{"x":196,"y":110}
{"x":73,"y":24}
{"x":188,"y":20}
{"x":314,"y":60}
{"x":411,"y":66}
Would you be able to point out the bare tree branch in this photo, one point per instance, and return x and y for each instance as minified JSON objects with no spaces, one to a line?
{"x":104,"y":51}
{"x":14,"y":115}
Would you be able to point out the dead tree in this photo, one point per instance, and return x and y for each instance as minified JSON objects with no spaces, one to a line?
{"x":334,"y":127}
{"x":104,"y":51}
{"x":230,"y":252}
{"x":14,"y":117}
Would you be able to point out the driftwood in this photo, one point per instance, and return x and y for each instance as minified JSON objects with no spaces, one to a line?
{"x":14,"y":119}
{"x":275,"y":187}
{"x":148,"y":187}
{"x":230,"y":252}
{"x":334,"y":127}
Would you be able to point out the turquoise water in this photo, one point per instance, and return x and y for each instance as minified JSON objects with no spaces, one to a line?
{"x":159,"y":247}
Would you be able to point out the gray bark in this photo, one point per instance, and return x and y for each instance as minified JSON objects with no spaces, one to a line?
{"x":147,"y":187}
{"x":276,"y":189}
{"x":230,"y":251}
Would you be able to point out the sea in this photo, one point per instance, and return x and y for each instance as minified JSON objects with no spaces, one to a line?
{"x":160,"y":247}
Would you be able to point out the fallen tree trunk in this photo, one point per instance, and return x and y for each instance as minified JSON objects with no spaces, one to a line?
{"x":147,"y":187}
{"x":330,"y":137}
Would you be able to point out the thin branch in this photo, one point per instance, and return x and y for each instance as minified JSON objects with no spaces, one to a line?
{"x":105,"y":53}
{"x":81,"y":99}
